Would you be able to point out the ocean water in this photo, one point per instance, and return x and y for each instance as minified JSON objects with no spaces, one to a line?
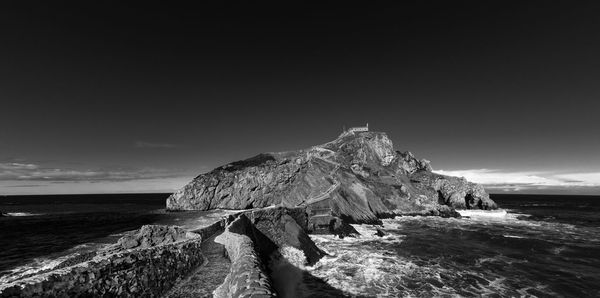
{"x":545,"y":246}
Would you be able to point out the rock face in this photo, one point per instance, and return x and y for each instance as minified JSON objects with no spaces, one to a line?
{"x":358,"y":177}
{"x":283,"y":227}
{"x":152,"y":235}
{"x":262,"y":245}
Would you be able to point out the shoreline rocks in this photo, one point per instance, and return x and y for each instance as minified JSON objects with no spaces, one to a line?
{"x":147,"y":272}
{"x":162,"y":257}
{"x":153,"y":235}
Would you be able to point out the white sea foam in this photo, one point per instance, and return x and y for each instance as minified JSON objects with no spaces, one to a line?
{"x":500,"y":213}
{"x":372,"y":266}
{"x":293,"y":255}
{"x":37,"y":265}
{"x":22,"y":214}
{"x":514,"y":236}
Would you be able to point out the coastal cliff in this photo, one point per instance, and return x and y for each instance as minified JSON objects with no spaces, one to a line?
{"x":358,"y":177}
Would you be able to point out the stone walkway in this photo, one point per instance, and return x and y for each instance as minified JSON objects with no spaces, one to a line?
{"x":208,"y":276}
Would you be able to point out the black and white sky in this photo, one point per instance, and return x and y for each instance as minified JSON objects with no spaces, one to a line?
{"x":101,"y":96}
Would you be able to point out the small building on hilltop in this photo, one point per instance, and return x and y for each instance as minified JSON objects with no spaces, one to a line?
{"x":358,"y":129}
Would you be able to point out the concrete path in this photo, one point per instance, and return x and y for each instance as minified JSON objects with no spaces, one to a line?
{"x":207,"y":277}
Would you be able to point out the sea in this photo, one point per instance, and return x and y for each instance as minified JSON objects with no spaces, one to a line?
{"x":543,"y":246}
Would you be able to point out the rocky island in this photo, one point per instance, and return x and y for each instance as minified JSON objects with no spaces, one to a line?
{"x":356,"y":178}
{"x":260,"y":250}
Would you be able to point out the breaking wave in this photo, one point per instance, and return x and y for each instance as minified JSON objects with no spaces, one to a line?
{"x":480,"y":255}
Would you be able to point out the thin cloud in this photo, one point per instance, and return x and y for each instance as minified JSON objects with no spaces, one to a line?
{"x":142,"y":144}
{"x":78,"y":187}
{"x":16,"y":166}
{"x":34,"y":172}
{"x":523,"y":180}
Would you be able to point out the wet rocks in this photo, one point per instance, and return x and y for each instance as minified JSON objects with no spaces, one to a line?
{"x":328,"y":224}
{"x":284,"y":227}
{"x":380,"y":232}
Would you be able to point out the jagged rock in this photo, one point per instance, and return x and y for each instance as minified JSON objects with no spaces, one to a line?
{"x":284,"y":227}
{"x":380,"y":233}
{"x":153,"y":235}
{"x":343,"y":229}
{"x":455,"y":192}
{"x":358,"y":178}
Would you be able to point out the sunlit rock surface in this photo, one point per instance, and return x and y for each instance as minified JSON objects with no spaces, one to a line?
{"x":358,"y":177}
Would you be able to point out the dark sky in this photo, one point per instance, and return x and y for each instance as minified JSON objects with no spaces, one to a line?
{"x":100,"y":96}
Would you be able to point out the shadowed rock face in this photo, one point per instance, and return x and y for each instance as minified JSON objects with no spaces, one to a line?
{"x":357,"y":177}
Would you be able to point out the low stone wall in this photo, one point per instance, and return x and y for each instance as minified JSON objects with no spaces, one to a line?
{"x":218,"y":226}
{"x":247,"y":277}
{"x":146,"y":272}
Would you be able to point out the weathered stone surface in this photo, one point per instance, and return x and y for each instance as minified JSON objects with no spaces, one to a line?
{"x":152,"y":235}
{"x":357,"y":177}
{"x":455,"y":192}
{"x":281,"y":227}
{"x":380,"y":233}
{"x":247,"y":276}
{"x":147,"y":272}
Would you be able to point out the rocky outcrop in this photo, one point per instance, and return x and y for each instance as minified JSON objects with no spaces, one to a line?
{"x":153,"y":235}
{"x":356,"y":178}
{"x":146,"y":270}
{"x":277,"y":228}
